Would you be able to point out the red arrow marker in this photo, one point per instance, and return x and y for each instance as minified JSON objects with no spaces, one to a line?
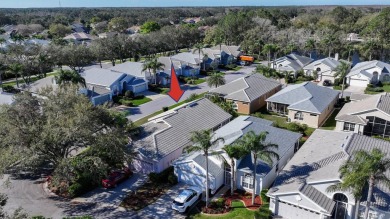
{"x":175,"y":92}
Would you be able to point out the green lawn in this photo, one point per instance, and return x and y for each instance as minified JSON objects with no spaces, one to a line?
{"x":386,"y":88}
{"x":330,"y":124}
{"x":199,"y":81}
{"x":145,"y":119}
{"x":33,"y":79}
{"x":137,"y":102}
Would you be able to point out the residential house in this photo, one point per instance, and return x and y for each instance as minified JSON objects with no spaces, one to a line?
{"x":325,"y":68}
{"x":164,"y":76}
{"x":369,"y":115}
{"x":190,"y":63}
{"x":6,"y":98}
{"x":192,"y":20}
{"x":78,"y":28}
{"x":213,"y":56}
{"x":135,"y":72}
{"x":107,"y":35}
{"x":38,"y":85}
{"x":133,"y":29}
{"x":305,"y":103}
{"x":80,"y":37}
{"x":354,"y":37}
{"x":248,"y":93}
{"x":163,"y":139}
{"x":103,"y":84}
{"x":299,"y":191}
{"x":191,"y":168}
{"x":370,"y":72}
{"x":291,"y":63}
{"x":228,"y":54}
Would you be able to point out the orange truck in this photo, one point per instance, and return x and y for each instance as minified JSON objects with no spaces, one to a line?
{"x":247,"y":59}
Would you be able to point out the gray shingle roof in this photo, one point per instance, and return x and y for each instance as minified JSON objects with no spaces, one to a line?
{"x":188,"y":57}
{"x":363,"y":66}
{"x":351,"y":112}
{"x":289,"y":139}
{"x":214,"y":169}
{"x":131,"y":68}
{"x":100,"y":76}
{"x":97,"y":90}
{"x":231,"y":50}
{"x":247,"y":88}
{"x":307,"y":96}
{"x":319,"y":160}
{"x":318,"y":197}
{"x":296,"y":62}
{"x":199,"y":115}
{"x":330,"y":62}
{"x":167,"y":61}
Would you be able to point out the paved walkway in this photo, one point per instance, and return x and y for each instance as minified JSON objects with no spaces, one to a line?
{"x":156,"y":105}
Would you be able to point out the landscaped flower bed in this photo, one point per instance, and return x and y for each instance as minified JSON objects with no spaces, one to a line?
{"x":245,"y":197}
{"x":144,"y":196}
{"x":224,"y":205}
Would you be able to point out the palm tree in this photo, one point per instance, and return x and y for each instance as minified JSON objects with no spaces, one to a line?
{"x":204,"y":141}
{"x":234,"y":152}
{"x":268,"y":49}
{"x":205,"y":58}
{"x":310,"y":45}
{"x":369,"y":167}
{"x":256,"y":145}
{"x":15,"y":69}
{"x":198,"y":48}
{"x":342,"y":71}
{"x":216,"y":79}
{"x":70,"y":77}
{"x":352,"y":182}
{"x":153,"y":65}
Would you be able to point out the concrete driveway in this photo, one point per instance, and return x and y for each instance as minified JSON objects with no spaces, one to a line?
{"x":151,"y":107}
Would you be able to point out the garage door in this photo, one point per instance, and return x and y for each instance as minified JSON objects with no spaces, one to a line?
{"x":142,"y":166}
{"x":140,"y":88}
{"x":191,"y":179}
{"x":325,"y":77}
{"x":358,"y":83}
{"x":293,"y":212}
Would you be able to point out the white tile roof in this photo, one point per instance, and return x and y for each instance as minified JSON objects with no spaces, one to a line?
{"x":6,"y":98}
{"x":363,"y":66}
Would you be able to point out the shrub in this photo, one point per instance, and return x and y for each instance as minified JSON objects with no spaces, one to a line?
{"x":379,"y":84}
{"x":172,"y":179}
{"x":75,"y":189}
{"x":165,"y":108}
{"x":129,"y":94}
{"x":9,"y":89}
{"x":139,"y":97}
{"x":370,"y":86}
{"x":230,"y":66}
{"x":258,"y":114}
{"x":192,"y":97}
{"x":294,"y":127}
{"x":347,"y":99}
{"x":337,"y":82}
{"x":153,"y":177}
{"x":386,"y":83}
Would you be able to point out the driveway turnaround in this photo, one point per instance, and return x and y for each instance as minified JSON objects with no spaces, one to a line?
{"x":151,"y":107}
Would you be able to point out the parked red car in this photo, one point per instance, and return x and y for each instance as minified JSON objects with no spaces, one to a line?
{"x":116,"y":177}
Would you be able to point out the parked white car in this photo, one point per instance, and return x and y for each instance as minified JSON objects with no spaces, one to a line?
{"x":186,"y":199}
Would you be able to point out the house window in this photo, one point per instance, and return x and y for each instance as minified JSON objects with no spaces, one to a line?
{"x":247,"y":181}
{"x":235,"y":105}
{"x":386,"y":78}
{"x":318,"y":69}
{"x":349,"y":126}
{"x":298,"y":116}
{"x":312,"y":114}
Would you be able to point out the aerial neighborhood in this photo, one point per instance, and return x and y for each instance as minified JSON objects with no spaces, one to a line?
{"x":198,"y":112}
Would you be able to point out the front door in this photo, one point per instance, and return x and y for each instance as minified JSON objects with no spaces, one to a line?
{"x":228,"y":175}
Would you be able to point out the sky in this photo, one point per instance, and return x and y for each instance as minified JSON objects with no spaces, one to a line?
{"x":173,"y":3}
